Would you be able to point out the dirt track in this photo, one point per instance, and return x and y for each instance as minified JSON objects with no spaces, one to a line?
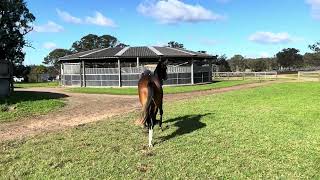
{"x":86,"y":108}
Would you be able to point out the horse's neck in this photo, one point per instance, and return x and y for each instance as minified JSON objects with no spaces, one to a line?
{"x":156,"y":75}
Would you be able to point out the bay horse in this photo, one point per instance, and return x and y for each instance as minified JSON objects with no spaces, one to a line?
{"x":151,"y":96}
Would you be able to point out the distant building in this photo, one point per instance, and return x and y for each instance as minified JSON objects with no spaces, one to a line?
{"x":122,"y":66}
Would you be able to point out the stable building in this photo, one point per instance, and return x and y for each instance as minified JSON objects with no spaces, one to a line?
{"x":122,"y":66}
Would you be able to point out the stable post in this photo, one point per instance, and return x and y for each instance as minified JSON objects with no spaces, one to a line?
{"x":138,"y":62}
{"x":119,"y":72}
{"x":192,"y":73}
{"x":210,"y":71}
{"x":83,"y":74}
{"x":61,"y":74}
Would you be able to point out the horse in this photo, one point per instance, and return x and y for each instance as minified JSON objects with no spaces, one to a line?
{"x":151,"y":96}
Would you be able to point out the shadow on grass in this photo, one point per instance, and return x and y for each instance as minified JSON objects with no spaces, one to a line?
{"x":185,"y":124}
{"x":23,"y":96}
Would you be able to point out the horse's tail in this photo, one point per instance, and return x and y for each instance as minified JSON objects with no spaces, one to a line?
{"x":147,"y":106}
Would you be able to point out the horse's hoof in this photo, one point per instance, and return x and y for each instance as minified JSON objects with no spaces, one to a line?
{"x":150,"y":145}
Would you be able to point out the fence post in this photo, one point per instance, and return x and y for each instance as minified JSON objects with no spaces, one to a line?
{"x":265,"y":75}
{"x":319,"y":76}
{"x":276,"y":75}
{"x":298,"y":75}
{"x":243,"y":76}
{"x":228,"y":75}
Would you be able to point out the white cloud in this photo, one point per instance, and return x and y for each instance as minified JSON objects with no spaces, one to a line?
{"x":67,"y":17}
{"x":270,"y":38}
{"x":49,"y":45}
{"x":175,"y":11}
{"x":315,"y":8}
{"x":49,"y":27}
{"x":100,"y":20}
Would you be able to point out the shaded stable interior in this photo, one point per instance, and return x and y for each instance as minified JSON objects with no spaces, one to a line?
{"x":123,"y":66}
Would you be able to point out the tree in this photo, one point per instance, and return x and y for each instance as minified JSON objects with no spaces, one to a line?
{"x":22,"y":71}
{"x":238,"y":63}
{"x":37,"y":70}
{"x":315,"y":47}
{"x":174,"y":44}
{"x":92,"y":41}
{"x":53,"y":58}
{"x":311,"y":59}
{"x":15,"y":20}
{"x":222,"y":64}
{"x":122,"y":45}
{"x":289,"y":57}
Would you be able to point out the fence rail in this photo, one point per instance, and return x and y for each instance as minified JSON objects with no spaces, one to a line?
{"x":309,"y":75}
{"x":244,"y":75}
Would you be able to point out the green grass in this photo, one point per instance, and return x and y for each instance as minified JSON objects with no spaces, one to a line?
{"x":23,"y":104}
{"x":268,"y":132}
{"x":31,"y":85}
{"x":167,"y":89}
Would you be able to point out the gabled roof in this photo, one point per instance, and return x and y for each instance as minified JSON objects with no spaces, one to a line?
{"x":133,"y":52}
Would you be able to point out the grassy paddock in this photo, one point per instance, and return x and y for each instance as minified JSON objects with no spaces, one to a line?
{"x":23,"y":104}
{"x":268,"y":132}
{"x":31,"y":85}
{"x":167,"y":89}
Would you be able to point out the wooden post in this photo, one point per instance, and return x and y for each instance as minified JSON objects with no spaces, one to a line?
{"x":298,"y":75}
{"x":192,"y":73}
{"x":276,"y":75}
{"x":319,"y":76}
{"x":243,"y":76}
{"x":119,"y":73}
{"x":265,"y":75}
{"x":84,"y":84}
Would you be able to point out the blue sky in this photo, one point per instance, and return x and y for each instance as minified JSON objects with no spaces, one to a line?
{"x":253,"y":28}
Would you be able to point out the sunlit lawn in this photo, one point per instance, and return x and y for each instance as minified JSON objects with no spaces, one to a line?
{"x":167,"y":89}
{"x":268,"y":132}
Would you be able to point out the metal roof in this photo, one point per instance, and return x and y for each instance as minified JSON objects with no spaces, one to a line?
{"x":134,"y":52}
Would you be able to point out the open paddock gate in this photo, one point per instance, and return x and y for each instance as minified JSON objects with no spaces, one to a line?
{"x":245,"y":75}
{"x":309,"y":75}
{"x":73,"y":74}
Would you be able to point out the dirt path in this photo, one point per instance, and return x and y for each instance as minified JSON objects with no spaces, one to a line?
{"x":85,"y":108}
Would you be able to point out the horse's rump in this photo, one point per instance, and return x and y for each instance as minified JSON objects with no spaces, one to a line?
{"x":146,"y":96}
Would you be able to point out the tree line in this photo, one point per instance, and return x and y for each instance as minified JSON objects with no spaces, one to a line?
{"x":287,"y":59}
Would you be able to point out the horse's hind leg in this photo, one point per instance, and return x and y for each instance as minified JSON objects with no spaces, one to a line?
{"x":161,"y":113}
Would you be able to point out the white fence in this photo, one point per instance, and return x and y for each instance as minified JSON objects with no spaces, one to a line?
{"x":244,"y":75}
{"x":309,"y":75}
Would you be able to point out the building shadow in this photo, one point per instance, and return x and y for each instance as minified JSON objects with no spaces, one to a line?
{"x":23,"y":96}
{"x":185,"y":124}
